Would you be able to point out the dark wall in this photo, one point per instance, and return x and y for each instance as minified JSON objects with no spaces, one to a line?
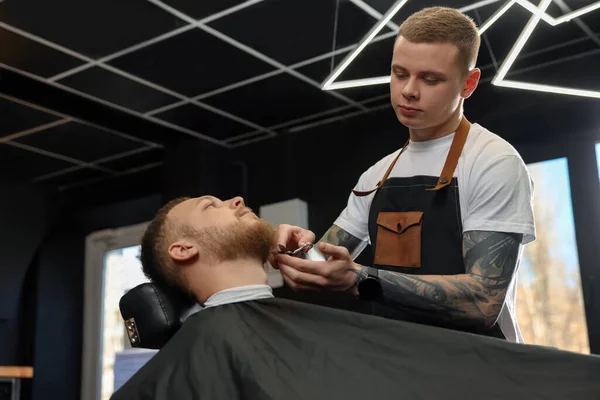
{"x":58,"y":292}
{"x":58,"y":317}
{"x":193,"y":168}
{"x":23,"y":221}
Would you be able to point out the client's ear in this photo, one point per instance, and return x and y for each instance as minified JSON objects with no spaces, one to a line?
{"x":183,"y":250}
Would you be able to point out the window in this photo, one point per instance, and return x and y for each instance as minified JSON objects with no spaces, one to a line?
{"x":122,"y":272}
{"x":112,"y":268}
{"x":598,"y":158}
{"x":550,"y":307}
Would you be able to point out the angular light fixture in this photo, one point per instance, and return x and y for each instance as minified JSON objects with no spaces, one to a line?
{"x":364,"y":42}
{"x":539,"y":13}
{"x":496,"y":16}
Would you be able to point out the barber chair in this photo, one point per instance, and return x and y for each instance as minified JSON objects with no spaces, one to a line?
{"x":152,"y":315}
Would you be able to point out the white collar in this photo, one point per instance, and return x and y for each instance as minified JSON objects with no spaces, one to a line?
{"x":239,"y":294}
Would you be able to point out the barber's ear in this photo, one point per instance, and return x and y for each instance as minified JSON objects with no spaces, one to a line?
{"x":183,"y":250}
{"x":471,"y":83}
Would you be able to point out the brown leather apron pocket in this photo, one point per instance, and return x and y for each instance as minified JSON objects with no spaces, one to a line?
{"x":399,"y":239}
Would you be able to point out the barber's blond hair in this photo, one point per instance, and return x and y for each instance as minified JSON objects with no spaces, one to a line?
{"x":444,"y":25}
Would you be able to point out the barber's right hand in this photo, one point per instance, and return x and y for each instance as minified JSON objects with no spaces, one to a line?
{"x":291,"y":237}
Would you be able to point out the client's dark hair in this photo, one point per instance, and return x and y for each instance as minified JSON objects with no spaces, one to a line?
{"x":156,"y":264}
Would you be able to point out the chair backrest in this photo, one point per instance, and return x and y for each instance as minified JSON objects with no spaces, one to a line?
{"x":152,"y":316}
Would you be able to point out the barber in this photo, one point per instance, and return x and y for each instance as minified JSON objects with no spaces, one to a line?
{"x":446,"y":215}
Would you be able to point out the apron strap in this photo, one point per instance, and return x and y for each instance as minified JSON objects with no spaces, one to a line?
{"x":449,"y":167}
{"x":454,"y":154}
{"x":387,"y":173}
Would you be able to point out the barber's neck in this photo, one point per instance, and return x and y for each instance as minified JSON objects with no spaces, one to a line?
{"x":229,"y":275}
{"x":438,"y":131}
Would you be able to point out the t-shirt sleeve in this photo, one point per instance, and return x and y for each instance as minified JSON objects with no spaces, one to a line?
{"x":500,"y":198}
{"x":354,"y":219}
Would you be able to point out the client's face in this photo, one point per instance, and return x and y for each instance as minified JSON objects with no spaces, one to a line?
{"x":224,"y":230}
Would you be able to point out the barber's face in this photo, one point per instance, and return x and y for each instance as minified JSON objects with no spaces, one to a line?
{"x":427,"y":83}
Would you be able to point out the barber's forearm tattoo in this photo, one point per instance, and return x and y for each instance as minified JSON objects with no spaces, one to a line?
{"x":361,"y":274}
{"x":475,"y":297}
{"x":339,"y":237}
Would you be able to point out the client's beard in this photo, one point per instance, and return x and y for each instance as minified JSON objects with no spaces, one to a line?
{"x":238,"y":240}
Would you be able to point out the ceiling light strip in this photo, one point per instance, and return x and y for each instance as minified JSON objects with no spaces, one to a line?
{"x":31,"y":131}
{"x":133,"y":78}
{"x":538,"y":13}
{"x":173,"y":11}
{"x":477,"y":5}
{"x":250,"y":135}
{"x":122,"y":52}
{"x":364,"y":42}
{"x":98,"y":161}
{"x":166,"y":108}
{"x":268,"y":60}
{"x":154,"y":40}
{"x":518,"y":45}
{"x":554,"y":62}
{"x":231,"y":116}
{"x":249,"y":141}
{"x":238,"y":84}
{"x":525,"y":35}
{"x":315,"y":124}
{"x":359,"y":82}
{"x":44,"y":42}
{"x":379,"y":80}
{"x":267,"y":75}
{"x":500,"y":12}
{"x":78,"y":120}
{"x":578,"y":13}
{"x":229,"y":11}
{"x":333,"y":119}
{"x":374,"y":13}
{"x":548,"y":89}
{"x":582,"y":25}
{"x":248,"y":49}
{"x":114,"y":175}
{"x":371,"y":34}
{"x":138,"y":80}
{"x":309,"y":117}
{"x":58,"y":156}
{"x":112,"y":105}
{"x":32,"y":105}
{"x":45,"y":177}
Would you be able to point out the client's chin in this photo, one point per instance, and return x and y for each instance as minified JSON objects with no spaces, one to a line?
{"x":252,"y":238}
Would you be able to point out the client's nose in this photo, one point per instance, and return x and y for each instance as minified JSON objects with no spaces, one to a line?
{"x":237,"y":202}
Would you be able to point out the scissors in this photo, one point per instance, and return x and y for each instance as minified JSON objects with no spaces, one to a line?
{"x":305,"y":247}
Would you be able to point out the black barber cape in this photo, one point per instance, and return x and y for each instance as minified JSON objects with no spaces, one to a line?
{"x":281,"y":349}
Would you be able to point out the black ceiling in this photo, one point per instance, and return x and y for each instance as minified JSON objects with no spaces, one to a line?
{"x":94,"y":90}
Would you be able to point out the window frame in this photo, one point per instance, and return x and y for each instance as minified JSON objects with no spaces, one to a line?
{"x":97,"y":245}
{"x":584,"y":181}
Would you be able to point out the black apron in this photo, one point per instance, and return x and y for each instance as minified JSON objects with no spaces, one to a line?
{"x":415,"y":227}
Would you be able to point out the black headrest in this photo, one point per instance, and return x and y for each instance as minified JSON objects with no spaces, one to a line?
{"x":152,"y":315}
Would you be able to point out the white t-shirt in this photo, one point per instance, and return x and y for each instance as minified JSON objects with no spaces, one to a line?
{"x":495,"y":193}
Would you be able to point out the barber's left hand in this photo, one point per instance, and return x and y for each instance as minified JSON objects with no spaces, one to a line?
{"x":334,"y":274}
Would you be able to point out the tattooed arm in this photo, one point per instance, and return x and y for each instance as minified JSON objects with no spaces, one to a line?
{"x":475,"y":297}
{"x":339,"y":237}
